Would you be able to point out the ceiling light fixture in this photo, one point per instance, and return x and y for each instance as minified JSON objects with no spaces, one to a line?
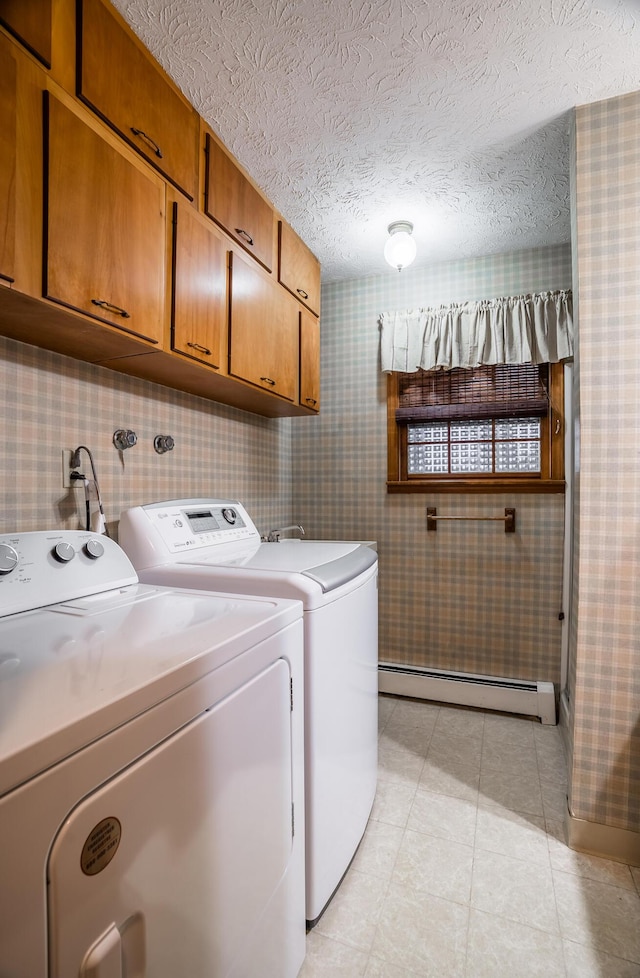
{"x":400,"y":249}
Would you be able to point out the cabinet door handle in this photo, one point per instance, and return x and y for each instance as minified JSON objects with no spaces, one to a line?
{"x":305,"y":295}
{"x":243,"y":234}
{"x":109,"y":306}
{"x":311,"y":400}
{"x":267,"y":380}
{"x":152,"y":142}
{"x":200,"y":349}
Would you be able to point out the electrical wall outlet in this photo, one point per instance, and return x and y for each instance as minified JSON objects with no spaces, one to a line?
{"x":67,"y":469}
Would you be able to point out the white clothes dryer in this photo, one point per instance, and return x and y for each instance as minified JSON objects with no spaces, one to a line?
{"x":209,"y":543}
{"x":151,"y":772}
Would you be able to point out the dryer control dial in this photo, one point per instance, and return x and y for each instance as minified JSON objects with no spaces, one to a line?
{"x":93,"y":549}
{"x":8,"y":558}
{"x":64,"y":552}
{"x":229,"y":515}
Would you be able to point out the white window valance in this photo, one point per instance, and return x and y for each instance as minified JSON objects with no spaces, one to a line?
{"x":516,"y":329}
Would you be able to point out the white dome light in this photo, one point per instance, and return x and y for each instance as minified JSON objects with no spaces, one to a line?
{"x":400,"y":249}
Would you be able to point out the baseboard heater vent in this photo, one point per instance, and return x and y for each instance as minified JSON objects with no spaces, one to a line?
{"x":465,"y":689}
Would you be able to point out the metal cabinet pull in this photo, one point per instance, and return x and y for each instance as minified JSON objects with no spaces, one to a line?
{"x":109,"y":306}
{"x":152,"y":142}
{"x":243,"y":234}
{"x":305,"y":295}
{"x":267,"y":380}
{"x":200,"y":349}
{"x":311,"y":400}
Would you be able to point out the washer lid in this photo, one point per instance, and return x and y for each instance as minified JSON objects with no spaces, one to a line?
{"x":72,"y":672}
{"x":329,"y":563}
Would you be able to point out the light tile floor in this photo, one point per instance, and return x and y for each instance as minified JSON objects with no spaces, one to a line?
{"x":462,"y":872}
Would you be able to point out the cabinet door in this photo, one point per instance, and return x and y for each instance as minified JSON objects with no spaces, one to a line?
{"x":309,"y":361}
{"x":199,"y":308}
{"x":298,"y":268}
{"x":30,"y":22}
{"x":121,"y":82}
{"x":8,"y":151}
{"x":264,"y":331}
{"x":233,"y":202}
{"x":104,"y":228}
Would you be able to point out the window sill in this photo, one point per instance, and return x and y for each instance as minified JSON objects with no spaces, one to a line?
{"x":474,"y":486}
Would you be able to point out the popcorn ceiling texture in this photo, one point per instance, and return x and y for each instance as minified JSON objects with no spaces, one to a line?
{"x":350,"y":114}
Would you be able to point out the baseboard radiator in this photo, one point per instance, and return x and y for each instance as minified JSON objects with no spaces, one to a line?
{"x":466,"y":689}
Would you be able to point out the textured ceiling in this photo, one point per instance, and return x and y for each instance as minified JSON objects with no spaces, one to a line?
{"x":350,"y":114}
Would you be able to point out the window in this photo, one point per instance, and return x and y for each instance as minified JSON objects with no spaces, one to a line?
{"x":482,"y":430}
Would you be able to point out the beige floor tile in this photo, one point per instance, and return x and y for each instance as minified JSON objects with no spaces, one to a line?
{"x":552,"y":763}
{"x":450,"y":776}
{"x":588,"y":962}
{"x":326,"y":958}
{"x":443,"y":816}
{"x":386,"y":707}
{"x":422,"y":933}
{"x":434,"y":866}
{"x":399,"y":766}
{"x":554,"y":799}
{"x":353,"y":913}
{"x":454,"y":720}
{"x":515,"y":889}
{"x":599,"y":915}
{"x":456,"y":746}
{"x":377,"y":853}
{"x":499,"y":948}
{"x":513,"y":792}
{"x":416,"y":713}
{"x":399,"y":736}
{"x":392,"y":803}
{"x":512,"y":834}
{"x":511,"y":730}
{"x":377,"y":968}
{"x":583,"y":864}
{"x":510,"y":759}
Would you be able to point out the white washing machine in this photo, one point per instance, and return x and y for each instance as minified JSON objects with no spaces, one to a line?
{"x":209,"y":543}
{"x":151,"y":772}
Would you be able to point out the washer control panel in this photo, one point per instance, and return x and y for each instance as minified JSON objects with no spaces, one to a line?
{"x":47,"y":567}
{"x":186,"y":525}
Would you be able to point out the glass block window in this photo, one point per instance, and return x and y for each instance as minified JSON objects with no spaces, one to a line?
{"x":492,"y":445}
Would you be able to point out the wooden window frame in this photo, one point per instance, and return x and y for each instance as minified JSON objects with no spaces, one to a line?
{"x":549,"y":480}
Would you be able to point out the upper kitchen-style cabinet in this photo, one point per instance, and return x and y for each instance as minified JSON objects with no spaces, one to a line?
{"x":309,"y":361}
{"x":30,"y":22}
{"x":231,"y":200}
{"x":298,"y":268}
{"x":8,"y":154}
{"x":119,"y":80}
{"x":199,"y":296}
{"x":104,"y":238}
{"x":263,"y":331}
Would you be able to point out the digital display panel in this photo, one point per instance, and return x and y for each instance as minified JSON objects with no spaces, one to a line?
{"x":202,"y":522}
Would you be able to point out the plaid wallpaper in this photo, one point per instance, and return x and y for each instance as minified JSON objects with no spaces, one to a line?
{"x":605,"y":653}
{"x":51,"y":403}
{"x":469,"y":597}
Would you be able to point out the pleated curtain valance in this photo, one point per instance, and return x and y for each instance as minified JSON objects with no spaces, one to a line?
{"x":515,"y":329}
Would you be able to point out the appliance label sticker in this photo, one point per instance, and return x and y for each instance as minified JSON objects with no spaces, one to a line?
{"x":101,"y":846}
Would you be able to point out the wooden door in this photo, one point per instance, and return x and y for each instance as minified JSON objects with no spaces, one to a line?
{"x":104,"y":228}
{"x":233,"y":202}
{"x":263,"y":331}
{"x":30,"y":22}
{"x":8,"y":155}
{"x":309,"y":361}
{"x":298,"y":268}
{"x":199,"y":306}
{"x":126,"y":87}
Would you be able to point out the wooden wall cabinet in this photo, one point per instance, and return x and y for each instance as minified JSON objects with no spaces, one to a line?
{"x":119,"y":81}
{"x":104,"y":228}
{"x":298,"y":268}
{"x":199,"y":296}
{"x":309,"y":361}
{"x":30,"y":22}
{"x":263,"y":331}
{"x":8,"y":162}
{"x":233,"y":202}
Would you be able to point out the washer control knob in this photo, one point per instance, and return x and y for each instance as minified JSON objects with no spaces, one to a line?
{"x":8,"y":558}
{"x":64,"y":552}
{"x":93,"y":549}
{"x":229,"y":515}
